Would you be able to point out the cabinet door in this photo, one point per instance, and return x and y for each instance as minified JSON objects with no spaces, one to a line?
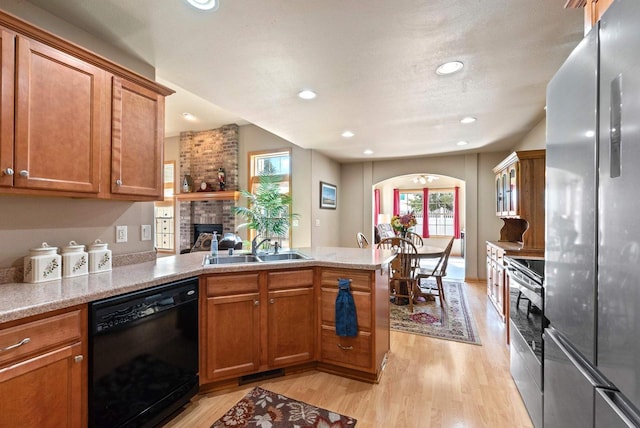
{"x":58,"y":118}
{"x":233,"y":336}
{"x":290,"y":326}
{"x":499,"y":195}
{"x":512,"y":172}
{"x":44,"y":391}
{"x":7,"y":55}
{"x":136,"y":140}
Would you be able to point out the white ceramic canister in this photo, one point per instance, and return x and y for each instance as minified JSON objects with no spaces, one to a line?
{"x":42,"y":264}
{"x":99,"y":257}
{"x":75,"y":261}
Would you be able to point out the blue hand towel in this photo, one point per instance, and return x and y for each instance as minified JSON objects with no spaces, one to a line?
{"x":346,"y":319}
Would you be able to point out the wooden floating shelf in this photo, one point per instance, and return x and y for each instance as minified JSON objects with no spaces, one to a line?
{"x":208,"y":196}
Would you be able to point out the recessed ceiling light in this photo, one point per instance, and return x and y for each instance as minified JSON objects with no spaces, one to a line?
{"x":449,"y":67}
{"x":204,"y":4}
{"x":188,"y":116}
{"x":348,"y":134}
{"x":468,"y":119}
{"x":368,"y":152}
{"x":462,"y":143}
{"x":307,"y":94}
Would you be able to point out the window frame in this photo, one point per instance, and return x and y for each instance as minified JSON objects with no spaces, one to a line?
{"x":252,"y":180}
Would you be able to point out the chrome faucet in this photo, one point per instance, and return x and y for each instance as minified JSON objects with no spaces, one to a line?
{"x":254,"y":246}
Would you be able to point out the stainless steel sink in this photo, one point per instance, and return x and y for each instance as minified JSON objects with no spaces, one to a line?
{"x":223,"y":260}
{"x":283,"y":257}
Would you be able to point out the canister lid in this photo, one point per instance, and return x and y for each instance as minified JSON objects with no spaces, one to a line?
{"x":98,"y":245}
{"x":73,"y":247}
{"x":43,"y":250}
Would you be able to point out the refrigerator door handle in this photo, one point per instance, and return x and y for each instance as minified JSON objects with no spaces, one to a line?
{"x":620,"y":406}
{"x":615,"y":133}
{"x":581,"y":363}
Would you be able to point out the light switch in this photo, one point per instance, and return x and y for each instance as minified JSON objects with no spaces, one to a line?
{"x":145,"y":232}
{"x":317,"y":222}
{"x":121,"y":234}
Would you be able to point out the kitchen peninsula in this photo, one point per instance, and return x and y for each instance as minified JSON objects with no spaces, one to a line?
{"x":284,"y":299}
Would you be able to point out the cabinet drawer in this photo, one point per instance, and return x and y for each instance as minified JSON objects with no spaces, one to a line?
{"x":361,"y":299}
{"x":221,"y":285}
{"x":360,"y":281}
{"x":38,"y":336}
{"x":290,"y":279}
{"x":346,"y":351}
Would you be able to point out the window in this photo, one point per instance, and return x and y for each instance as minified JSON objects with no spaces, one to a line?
{"x":279,"y":162}
{"x":441,"y":212}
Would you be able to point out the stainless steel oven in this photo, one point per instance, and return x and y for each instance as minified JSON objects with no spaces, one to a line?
{"x":143,"y":355}
{"x":526,"y":325}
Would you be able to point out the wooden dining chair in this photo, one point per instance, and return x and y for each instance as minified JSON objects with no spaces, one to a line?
{"x":415,"y":239}
{"x":402,"y":277}
{"x":362,"y":240}
{"x":438,"y":272}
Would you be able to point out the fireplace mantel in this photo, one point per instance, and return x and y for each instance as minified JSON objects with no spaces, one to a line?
{"x":208,"y":196}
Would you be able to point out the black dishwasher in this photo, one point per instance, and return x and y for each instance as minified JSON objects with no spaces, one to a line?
{"x":143,"y":355}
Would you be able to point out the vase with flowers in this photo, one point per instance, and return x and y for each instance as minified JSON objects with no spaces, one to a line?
{"x":402,"y":223}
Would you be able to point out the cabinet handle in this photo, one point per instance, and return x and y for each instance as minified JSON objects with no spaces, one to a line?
{"x":272,"y":301}
{"x":24,"y":173}
{"x":78,"y":358}
{"x":345,"y":348}
{"x":16,"y":345}
{"x":256,"y":302}
{"x":118,"y":182}
{"x":7,"y":171}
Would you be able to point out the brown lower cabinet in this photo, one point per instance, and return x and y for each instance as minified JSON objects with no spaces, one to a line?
{"x":285,"y":319}
{"x":361,"y":357}
{"x":254,"y":322}
{"x":43,"y":370}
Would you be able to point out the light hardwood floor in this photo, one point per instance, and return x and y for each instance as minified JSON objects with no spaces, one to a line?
{"x":427,"y":383}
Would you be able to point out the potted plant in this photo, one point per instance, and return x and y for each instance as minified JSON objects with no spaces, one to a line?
{"x":268,"y":211}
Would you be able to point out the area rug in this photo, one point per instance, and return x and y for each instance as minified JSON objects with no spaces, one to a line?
{"x":265,"y":409}
{"x":454,"y":322}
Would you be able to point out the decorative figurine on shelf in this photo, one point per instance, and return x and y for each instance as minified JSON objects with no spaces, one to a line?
{"x":185,"y":184}
{"x":221,"y":178}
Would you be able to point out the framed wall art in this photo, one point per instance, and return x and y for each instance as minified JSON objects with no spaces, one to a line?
{"x":328,"y":196}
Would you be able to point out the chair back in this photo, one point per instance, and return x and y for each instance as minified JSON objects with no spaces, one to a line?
{"x":441,"y":268}
{"x":362,"y":240}
{"x":406,"y":261}
{"x":415,"y":239}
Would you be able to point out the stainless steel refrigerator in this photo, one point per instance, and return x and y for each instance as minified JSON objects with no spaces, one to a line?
{"x":591,"y":365}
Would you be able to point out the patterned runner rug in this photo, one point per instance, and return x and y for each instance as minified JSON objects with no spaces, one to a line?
{"x":454,"y":322}
{"x":265,"y":409}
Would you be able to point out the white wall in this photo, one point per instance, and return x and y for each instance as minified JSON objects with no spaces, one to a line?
{"x":536,"y":139}
{"x":325,"y":230}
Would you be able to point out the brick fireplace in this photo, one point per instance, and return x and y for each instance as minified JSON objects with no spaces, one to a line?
{"x":201,"y":154}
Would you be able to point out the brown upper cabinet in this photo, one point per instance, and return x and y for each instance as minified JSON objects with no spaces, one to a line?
{"x":136,"y":134}
{"x":58,"y":119}
{"x":519,"y":196}
{"x":76,"y":124}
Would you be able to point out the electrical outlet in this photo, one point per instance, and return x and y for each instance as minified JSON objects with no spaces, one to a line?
{"x":145,"y":232}
{"x":121,"y":234}
{"x":295,"y":223}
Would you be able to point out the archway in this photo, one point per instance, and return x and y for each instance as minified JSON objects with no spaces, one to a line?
{"x":445,"y":216}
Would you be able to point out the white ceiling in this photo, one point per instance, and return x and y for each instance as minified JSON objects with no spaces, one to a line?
{"x":371,"y":62}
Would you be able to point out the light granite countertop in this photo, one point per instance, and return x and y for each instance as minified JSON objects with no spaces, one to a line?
{"x":20,"y":300}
